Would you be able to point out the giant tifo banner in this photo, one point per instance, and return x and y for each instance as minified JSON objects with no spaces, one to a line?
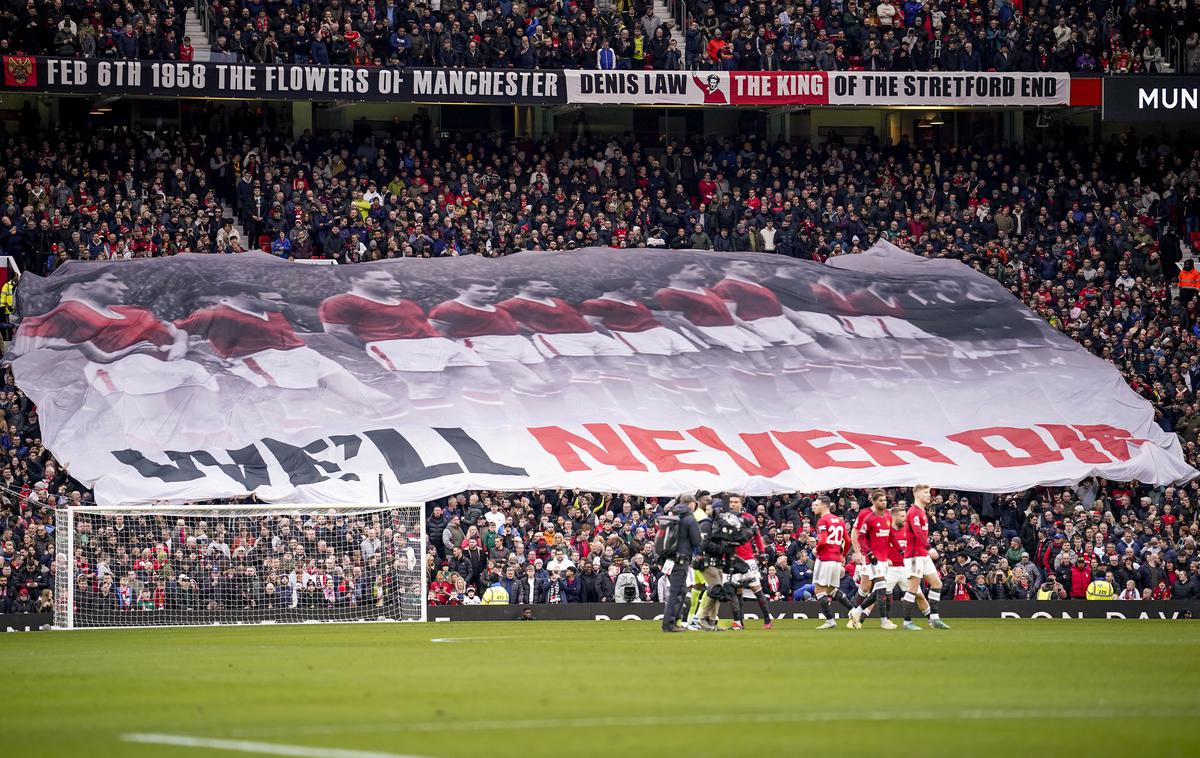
{"x":74,"y":76}
{"x":639,"y":371}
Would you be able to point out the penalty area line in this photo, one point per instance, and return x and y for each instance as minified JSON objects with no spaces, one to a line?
{"x":261,"y":748}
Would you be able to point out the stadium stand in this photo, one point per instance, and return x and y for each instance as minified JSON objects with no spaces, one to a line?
{"x":1089,"y":236}
{"x":1000,"y":35}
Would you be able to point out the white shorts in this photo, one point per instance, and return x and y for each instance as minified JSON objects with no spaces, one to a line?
{"x":296,"y":369}
{"x":578,"y":344}
{"x":821,"y":323}
{"x":828,"y":573}
{"x":140,"y":374}
{"x":425,"y":354}
{"x":732,"y":338}
{"x":921,"y":565}
{"x":895,"y":576}
{"x":875,"y":571}
{"x":750,"y":576}
{"x":779,"y":330}
{"x":870,"y":327}
{"x":904,"y":330}
{"x":657,"y":341}
{"x":503,"y":348}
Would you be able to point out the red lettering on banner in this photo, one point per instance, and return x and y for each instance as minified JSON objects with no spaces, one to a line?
{"x":818,"y":456}
{"x":664,"y":460}
{"x":611,"y":450}
{"x":1081,"y":447}
{"x":768,"y":461}
{"x":1115,"y":441}
{"x":883,"y":449}
{"x":1027,"y":440}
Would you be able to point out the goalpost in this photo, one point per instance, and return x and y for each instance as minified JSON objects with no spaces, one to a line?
{"x":153,"y":565}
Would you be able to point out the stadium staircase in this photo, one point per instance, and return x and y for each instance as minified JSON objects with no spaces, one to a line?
{"x":195,"y":30}
{"x":663,"y":11}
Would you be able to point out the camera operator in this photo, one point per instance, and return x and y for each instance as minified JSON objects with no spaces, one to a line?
{"x":680,"y":537}
{"x":718,"y":558}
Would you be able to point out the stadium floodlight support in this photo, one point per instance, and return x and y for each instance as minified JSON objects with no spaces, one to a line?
{"x":204,"y":565}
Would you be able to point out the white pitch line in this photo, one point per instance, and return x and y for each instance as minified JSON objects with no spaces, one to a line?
{"x":472,"y":639}
{"x":261,"y":748}
{"x":792,"y":717}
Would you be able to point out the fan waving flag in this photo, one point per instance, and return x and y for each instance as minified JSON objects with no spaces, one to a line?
{"x":640,"y":371}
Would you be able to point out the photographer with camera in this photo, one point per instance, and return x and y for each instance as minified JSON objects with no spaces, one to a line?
{"x":718,"y":558}
{"x":677,"y":541}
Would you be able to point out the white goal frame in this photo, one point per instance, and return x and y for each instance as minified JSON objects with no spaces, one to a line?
{"x":65,"y":521}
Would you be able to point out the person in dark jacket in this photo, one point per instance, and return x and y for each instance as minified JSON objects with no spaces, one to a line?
{"x":590,"y":584}
{"x":679,"y":566}
{"x":530,"y":589}
{"x":573,"y":587}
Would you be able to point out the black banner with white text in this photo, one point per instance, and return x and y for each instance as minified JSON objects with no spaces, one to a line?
{"x":111,"y":77}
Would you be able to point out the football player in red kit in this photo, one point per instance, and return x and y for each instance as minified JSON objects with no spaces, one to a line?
{"x":873,"y":537}
{"x":397,"y":335}
{"x":831,"y":555}
{"x":631,"y":322}
{"x":858,"y":552}
{"x":248,"y":331}
{"x":477,"y":323}
{"x":704,"y":313}
{"x":919,"y":565}
{"x":666,"y":353}
{"x":896,"y":579}
{"x":759,"y":309}
{"x":131,"y":357}
{"x":560,"y":331}
{"x":751,"y":578}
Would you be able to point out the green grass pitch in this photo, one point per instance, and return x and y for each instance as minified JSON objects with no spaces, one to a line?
{"x":560,"y":689}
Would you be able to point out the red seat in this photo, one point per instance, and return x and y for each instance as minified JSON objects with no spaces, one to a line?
{"x":264,"y":243}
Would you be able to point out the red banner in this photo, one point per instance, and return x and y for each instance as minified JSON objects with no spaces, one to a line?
{"x":779,"y":88}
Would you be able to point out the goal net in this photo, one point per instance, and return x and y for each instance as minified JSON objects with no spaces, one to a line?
{"x":240,"y":564}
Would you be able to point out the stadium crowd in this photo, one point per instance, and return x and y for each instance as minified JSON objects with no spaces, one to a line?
{"x":901,"y":35}
{"x":1089,"y":236}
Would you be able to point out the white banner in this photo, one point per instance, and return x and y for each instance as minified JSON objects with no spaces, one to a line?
{"x":198,"y":377}
{"x":948,"y":88}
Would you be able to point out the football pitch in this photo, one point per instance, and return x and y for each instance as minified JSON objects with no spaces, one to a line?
{"x":560,"y":689}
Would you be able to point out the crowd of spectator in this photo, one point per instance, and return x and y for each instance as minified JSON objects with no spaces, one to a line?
{"x":947,"y":35}
{"x":567,"y":547}
{"x":1088,"y":235}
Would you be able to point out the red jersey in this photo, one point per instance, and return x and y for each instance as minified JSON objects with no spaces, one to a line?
{"x":554,"y":317}
{"x":859,"y":520}
{"x":235,"y":333}
{"x":464,"y":321}
{"x":753,"y":546}
{"x":619,"y":315}
{"x":373,"y":321}
{"x":832,"y":299}
{"x":77,"y":322}
{"x":866,"y":302}
{"x":703,"y":308}
{"x":753,"y":301}
{"x":897,"y":545}
{"x":916,"y":522}
{"x":831,"y":538}
{"x":874,"y":533}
